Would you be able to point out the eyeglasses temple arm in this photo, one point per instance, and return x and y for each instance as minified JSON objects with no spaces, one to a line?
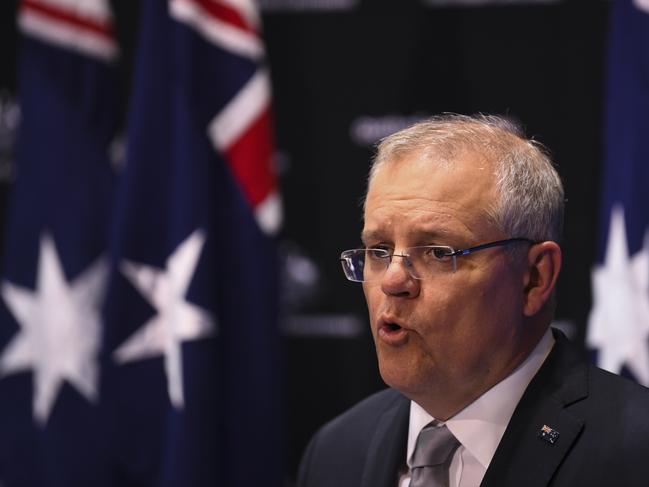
{"x":497,"y":243}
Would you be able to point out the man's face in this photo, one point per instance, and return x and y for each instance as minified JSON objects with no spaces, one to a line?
{"x":458,"y":332}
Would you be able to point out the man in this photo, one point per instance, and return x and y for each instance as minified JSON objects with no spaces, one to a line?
{"x":459,"y":265}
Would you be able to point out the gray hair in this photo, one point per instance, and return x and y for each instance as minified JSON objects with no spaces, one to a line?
{"x":531,"y":194}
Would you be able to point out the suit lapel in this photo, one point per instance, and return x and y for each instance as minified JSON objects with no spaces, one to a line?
{"x":525,"y":458}
{"x":387,"y":450}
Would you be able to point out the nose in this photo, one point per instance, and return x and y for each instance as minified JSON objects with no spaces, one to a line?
{"x":397,"y":280}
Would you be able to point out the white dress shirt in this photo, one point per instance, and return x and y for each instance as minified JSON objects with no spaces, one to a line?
{"x":480,"y":426}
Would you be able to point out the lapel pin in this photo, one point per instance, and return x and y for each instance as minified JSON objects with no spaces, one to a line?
{"x":548,"y":434}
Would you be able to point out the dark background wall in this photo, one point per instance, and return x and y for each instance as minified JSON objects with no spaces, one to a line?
{"x":344,"y":77}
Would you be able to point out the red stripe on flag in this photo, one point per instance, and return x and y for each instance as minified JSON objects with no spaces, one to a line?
{"x":104,"y":29}
{"x":250,"y":160}
{"x":226,"y":14}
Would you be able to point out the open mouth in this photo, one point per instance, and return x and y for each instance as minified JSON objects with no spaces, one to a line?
{"x":392,"y":333}
{"x":392,"y":327}
{"x":391,"y":330}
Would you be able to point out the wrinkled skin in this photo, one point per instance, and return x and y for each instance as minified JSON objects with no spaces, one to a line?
{"x":463,"y":332}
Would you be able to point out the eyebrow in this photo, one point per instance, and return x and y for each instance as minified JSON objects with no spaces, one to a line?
{"x":370,"y":235}
{"x":422,"y":234}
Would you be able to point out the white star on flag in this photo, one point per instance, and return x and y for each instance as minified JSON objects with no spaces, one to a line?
{"x":642,"y":5}
{"x":60,"y":329}
{"x":176,"y":320}
{"x":619,"y":322}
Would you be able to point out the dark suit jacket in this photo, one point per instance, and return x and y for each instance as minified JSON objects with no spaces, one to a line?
{"x":602,"y":421}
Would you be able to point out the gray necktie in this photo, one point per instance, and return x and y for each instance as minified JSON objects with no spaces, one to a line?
{"x":432,"y":456}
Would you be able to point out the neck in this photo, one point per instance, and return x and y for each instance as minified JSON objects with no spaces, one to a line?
{"x":445,"y":401}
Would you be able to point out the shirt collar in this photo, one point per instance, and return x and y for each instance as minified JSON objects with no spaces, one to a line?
{"x":480,"y":426}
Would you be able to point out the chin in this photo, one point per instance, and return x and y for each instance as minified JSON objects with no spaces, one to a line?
{"x":403,"y":379}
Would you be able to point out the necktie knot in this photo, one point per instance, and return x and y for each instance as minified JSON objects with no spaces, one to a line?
{"x":432,"y":456}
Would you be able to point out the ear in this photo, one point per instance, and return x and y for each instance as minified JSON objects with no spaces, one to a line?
{"x":543,"y":265}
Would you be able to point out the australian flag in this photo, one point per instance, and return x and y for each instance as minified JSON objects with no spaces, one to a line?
{"x":138,"y":332}
{"x":618,"y":327}
{"x":55,"y":265}
{"x":191,"y":383}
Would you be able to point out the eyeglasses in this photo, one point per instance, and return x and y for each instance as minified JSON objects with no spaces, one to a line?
{"x":422,"y":262}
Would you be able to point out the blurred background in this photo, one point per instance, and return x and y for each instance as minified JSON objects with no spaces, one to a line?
{"x":164,"y":317}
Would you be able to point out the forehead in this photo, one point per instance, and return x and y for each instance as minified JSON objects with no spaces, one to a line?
{"x":415,"y":196}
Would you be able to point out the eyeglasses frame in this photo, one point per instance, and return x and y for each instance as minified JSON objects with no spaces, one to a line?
{"x":453,"y":254}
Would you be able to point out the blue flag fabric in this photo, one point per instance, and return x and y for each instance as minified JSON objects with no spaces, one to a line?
{"x":191,"y":384}
{"x":619,"y":322}
{"x":138,"y":324}
{"x":55,"y":262}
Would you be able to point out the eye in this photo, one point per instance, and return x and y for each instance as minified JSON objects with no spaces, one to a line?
{"x":438,"y":253}
{"x":376,"y":253}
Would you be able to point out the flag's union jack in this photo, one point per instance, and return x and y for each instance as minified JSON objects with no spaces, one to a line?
{"x":86,"y":27}
{"x":241,"y":130}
